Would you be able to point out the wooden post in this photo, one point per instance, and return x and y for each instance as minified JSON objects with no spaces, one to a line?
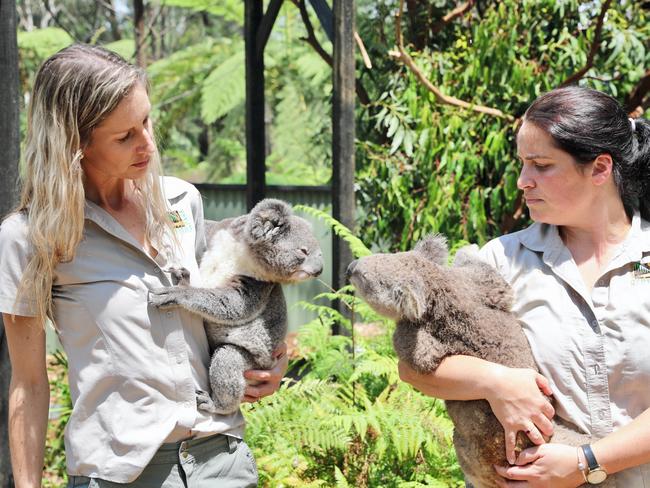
{"x":9,"y":155}
{"x":255,"y":130}
{"x":343,"y":122}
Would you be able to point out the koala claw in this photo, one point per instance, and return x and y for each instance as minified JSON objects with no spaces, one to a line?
{"x":204,"y":402}
{"x":180,"y":276}
{"x":162,"y":298}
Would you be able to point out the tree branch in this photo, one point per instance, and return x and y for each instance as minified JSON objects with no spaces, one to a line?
{"x":635,"y":99}
{"x":595,"y":45}
{"x":311,"y":36}
{"x":311,"y":39}
{"x":405,"y":58}
{"x":459,"y":11}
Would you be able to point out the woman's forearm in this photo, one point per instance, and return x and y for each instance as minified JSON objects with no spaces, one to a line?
{"x":627,"y":447}
{"x":457,"y":378}
{"x":28,"y":413}
{"x":29,"y":397}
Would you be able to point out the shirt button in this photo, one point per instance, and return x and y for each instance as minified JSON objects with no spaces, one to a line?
{"x":594,"y":323}
{"x":170,"y":314}
{"x":596,"y":369}
{"x":601,"y":415}
{"x":157,"y":271}
{"x":184,"y":454}
{"x":179,"y":359}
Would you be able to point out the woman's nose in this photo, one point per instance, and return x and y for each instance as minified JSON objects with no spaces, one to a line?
{"x":147,"y":144}
{"x":524,"y":180}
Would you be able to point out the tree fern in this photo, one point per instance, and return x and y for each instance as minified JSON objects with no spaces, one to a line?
{"x":224,"y":88}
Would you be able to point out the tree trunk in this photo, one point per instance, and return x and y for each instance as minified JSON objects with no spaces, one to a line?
{"x":138,"y":23}
{"x":112,"y":20}
{"x":9,"y":154}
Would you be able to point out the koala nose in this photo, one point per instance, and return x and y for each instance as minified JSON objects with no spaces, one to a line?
{"x":350,"y":269}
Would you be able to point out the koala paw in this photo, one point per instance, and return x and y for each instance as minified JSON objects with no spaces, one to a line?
{"x":180,"y":276}
{"x":204,"y":402}
{"x":163,"y":298}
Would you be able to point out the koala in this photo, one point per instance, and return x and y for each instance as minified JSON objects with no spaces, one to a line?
{"x":442,"y":311}
{"x":244,"y":311}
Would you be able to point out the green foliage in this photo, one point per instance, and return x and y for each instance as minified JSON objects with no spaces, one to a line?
{"x":61,"y":407}
{"x":357,"y":246}
{"x":349,"y":421}
{"x":199,"y":95}
{"x":123,"y":47}
{"x":426,"y":167}
{"x":36,"y":46}
{"x":230,"y":10}
{"x":224,"y":88}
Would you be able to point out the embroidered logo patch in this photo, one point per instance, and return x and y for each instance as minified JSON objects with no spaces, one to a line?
{"x":180,"y":221}
{"x":641,"y":272}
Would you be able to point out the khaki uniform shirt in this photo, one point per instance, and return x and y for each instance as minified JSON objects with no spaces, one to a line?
{"x":592,"y":346}
{"x":133,"y":369}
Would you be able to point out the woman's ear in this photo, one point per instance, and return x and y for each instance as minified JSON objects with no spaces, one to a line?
{"x":601,"y":169}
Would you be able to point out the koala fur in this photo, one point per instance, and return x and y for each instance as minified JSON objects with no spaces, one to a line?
{"x":442,"y":311}
{"x":241,"y":301}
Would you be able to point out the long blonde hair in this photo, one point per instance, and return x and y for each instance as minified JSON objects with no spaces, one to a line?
{"x":74,"y":91}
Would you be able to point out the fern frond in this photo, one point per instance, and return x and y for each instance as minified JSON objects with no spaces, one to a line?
{"x":357,"y":247}
{"x":224,"y":88}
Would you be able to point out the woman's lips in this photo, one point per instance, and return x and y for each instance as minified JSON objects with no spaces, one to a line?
{"x":142,"y":164}
{"x":533,"y":201}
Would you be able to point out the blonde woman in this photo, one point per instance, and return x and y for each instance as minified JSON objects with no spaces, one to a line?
{"x":91,"y":236}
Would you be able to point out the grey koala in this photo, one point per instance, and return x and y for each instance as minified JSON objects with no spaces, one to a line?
{"x":442,"y":311}
{"x":241,"y":301}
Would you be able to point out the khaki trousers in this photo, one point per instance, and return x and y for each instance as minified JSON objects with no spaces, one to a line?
{"x":218,"y":461}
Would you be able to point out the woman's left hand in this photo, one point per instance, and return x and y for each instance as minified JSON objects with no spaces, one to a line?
{"x":544,"y":466}
{"x":262,"y":382}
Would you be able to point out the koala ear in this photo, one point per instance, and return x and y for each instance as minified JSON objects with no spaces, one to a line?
{"x":467,"y":255}
{"x":268,"y":219}
{"x":410,"y":300}
{"x":433,"y":247}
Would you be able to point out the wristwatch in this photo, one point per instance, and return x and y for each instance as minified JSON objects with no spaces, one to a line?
{"x":593,"y":474}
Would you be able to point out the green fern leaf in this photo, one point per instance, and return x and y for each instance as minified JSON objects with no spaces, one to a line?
{"x":341,"y":482}
{"x":224,"y":88}
{"x":357,"y":247}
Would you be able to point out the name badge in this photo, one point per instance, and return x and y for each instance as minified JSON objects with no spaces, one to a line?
{"x":181,"y":223}
{"x":641,"y":272}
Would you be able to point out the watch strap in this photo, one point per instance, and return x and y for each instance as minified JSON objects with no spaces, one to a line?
{"x":590,"y":457}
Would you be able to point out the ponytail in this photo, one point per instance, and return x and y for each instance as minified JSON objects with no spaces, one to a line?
{"x":641,"y":137}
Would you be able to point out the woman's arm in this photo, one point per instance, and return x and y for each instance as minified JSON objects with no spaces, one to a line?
{"x":628,"y":446}
{"x":515,"y":395}
{"x":556,"y":465}
{"x":29,"y":397}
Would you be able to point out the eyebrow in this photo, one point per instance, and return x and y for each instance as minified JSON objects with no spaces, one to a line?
{"x":535,"y":156}
{"x":127,"y":130}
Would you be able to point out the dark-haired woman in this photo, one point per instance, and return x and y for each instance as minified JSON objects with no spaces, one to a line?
{"x":581,"y":276}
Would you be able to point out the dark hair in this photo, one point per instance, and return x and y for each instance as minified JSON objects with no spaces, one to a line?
{"x":587,"y":123}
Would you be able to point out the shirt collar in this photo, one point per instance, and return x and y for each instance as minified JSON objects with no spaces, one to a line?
{"x":546,"y":238}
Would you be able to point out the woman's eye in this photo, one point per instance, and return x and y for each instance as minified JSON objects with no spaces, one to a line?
{"x":541,"y":167}
{"x":125,"y":138}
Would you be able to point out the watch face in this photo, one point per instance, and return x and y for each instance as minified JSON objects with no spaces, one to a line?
{"x":596,"y":476}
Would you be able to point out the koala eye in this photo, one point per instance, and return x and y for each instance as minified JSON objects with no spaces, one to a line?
{"x":304,"y":251}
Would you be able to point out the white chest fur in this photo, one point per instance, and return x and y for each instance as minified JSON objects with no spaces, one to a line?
{"x":225,"y":258}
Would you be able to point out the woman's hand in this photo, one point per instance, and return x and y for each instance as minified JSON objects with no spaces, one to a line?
{"x":263,"y":382}
{"x":518,"y":402}
{"x":545,"y":466}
